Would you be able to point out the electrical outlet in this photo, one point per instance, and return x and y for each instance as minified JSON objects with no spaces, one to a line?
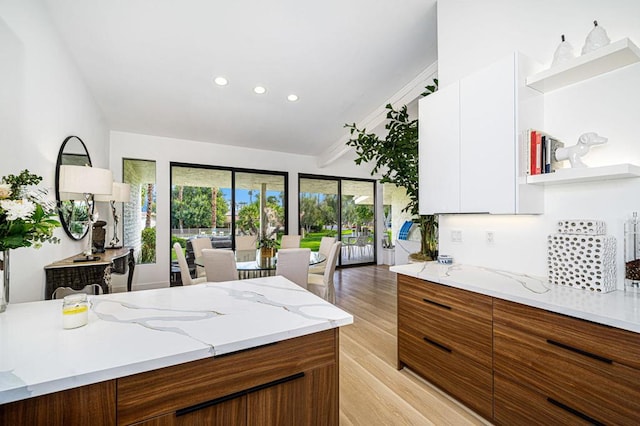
{"x":456,"y":236}
{"x":490,"y":237}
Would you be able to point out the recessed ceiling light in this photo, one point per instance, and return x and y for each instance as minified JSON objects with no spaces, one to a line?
{"x":259,"y":90}
{"x":292,"y":98}
{"x":221,"y":81}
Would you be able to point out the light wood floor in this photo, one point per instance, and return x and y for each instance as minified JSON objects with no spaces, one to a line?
{"x":372,"y":390}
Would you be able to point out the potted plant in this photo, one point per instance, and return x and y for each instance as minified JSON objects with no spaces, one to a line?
{"x":267,"y":246}
{"x":396,"y":158}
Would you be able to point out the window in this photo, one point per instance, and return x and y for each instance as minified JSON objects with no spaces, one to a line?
{"x":139,"y":224}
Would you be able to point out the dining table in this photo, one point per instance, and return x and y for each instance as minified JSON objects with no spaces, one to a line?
{"x":251,"y":264}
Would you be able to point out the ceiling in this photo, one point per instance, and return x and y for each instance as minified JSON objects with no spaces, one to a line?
{"x":150,"y":65}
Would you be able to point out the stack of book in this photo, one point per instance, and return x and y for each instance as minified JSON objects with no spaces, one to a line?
{"x":540,"y":149}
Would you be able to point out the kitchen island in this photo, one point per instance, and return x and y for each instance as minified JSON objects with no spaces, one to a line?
{"x":236,"y":351}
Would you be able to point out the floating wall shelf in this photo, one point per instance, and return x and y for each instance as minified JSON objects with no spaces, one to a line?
{"x":587,"y":174}
{"x":605,"y":59}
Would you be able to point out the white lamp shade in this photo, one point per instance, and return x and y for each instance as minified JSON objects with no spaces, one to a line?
{"x":120,"y":193}
{"x":84,"y":180}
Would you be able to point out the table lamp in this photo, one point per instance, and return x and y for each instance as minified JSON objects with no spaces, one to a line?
{"x":77,"y":182}
{"x":120,"y":193}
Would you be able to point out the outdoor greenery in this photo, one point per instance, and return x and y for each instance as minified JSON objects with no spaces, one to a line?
{"x":148,"y":249}
{"x":312,"y":239}
{"x":192,"y":208}
{"x":318,"y":211}
{"x":248,"y":221}
{"x":395,"y":157}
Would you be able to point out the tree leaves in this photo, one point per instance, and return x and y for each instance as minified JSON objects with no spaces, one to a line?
{"x":395,"y":157}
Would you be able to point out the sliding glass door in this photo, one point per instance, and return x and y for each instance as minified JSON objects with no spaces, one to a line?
{"x":222,"y":203}
{"x":357,"y":226}
{"x":341,"y":208}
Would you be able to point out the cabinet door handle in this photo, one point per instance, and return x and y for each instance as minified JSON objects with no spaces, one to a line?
{"x":575,"y":412}
{"x":579,"y":351}
{"x":436,"y":303}
{"x":211,"y":403}
{"x":437,"y":345}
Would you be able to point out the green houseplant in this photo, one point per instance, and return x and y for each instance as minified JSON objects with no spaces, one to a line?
{"x":267,"y":245}
{"x":395,"y":157}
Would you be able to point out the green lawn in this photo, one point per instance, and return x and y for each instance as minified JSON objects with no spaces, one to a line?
{"x":312,"y":239}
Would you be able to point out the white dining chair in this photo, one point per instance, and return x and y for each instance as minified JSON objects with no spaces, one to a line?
{"x":290,"y":241}
{"x":325,"y":248}
{"x":246,"y":242}
{"x":199,"y":244}
{"x":185,"y":274}
{"x":293,"y":264}
{"x":322,"y":285}
{"x":220,"y":265}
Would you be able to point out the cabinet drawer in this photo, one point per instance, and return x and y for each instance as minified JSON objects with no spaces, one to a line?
{"x":468,"y":336}
{"x":608,"y":342}
{"x":450,"y":370}
{"x":519,"y":405}
{"x":445,"y":297}
{"x":455,"y":318}
{"x":600,"y":388}
{"x":163,"y":391}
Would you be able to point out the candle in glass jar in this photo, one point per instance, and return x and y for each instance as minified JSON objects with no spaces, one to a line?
{"x":75,"y":311}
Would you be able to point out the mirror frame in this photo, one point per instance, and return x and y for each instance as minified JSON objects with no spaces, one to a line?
{"x":60,"y":205}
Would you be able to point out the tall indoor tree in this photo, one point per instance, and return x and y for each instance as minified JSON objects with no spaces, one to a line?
{"x":395,"y":158}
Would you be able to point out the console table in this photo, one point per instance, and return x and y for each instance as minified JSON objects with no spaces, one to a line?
{"x":69,"y":273}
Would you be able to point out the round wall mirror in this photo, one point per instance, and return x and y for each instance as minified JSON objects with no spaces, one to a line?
{"x":74,"y":214}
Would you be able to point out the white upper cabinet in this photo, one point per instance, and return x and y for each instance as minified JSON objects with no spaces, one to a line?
{"x":483,"y":174}
{"x":438,"y":130}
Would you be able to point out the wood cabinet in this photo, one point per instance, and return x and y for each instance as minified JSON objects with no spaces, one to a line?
{"x":87,"y":405}
{"x":515,"y":364}
{"x":571,"y":368}
{"x":292,"y":382}
{"x":445,"y":335}
{"x":470,"y":161}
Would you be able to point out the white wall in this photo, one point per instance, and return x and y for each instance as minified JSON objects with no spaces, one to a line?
{"x":473,"y":34}
{"x":42,"y":101}
{"x":165,"y":150}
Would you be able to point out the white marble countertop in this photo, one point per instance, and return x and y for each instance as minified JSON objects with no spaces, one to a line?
{"x":617,"y":309}
{"x":129,"y":333}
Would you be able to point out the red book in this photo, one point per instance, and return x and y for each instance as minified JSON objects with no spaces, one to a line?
{"x":532,"y":152}
{"x":538,"y":153}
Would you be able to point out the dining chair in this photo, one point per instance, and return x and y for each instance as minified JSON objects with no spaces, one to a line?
{"x":322,"y":285}
{"x":61,"y":292}
{"x":185,"y":274}
{"x":220,"y":265}
{"x":246,"y":242}
{"x":198,"y":244}
{"x":293,"y":264}
{"x":290,"y":241}
{"x":325,"y":248}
